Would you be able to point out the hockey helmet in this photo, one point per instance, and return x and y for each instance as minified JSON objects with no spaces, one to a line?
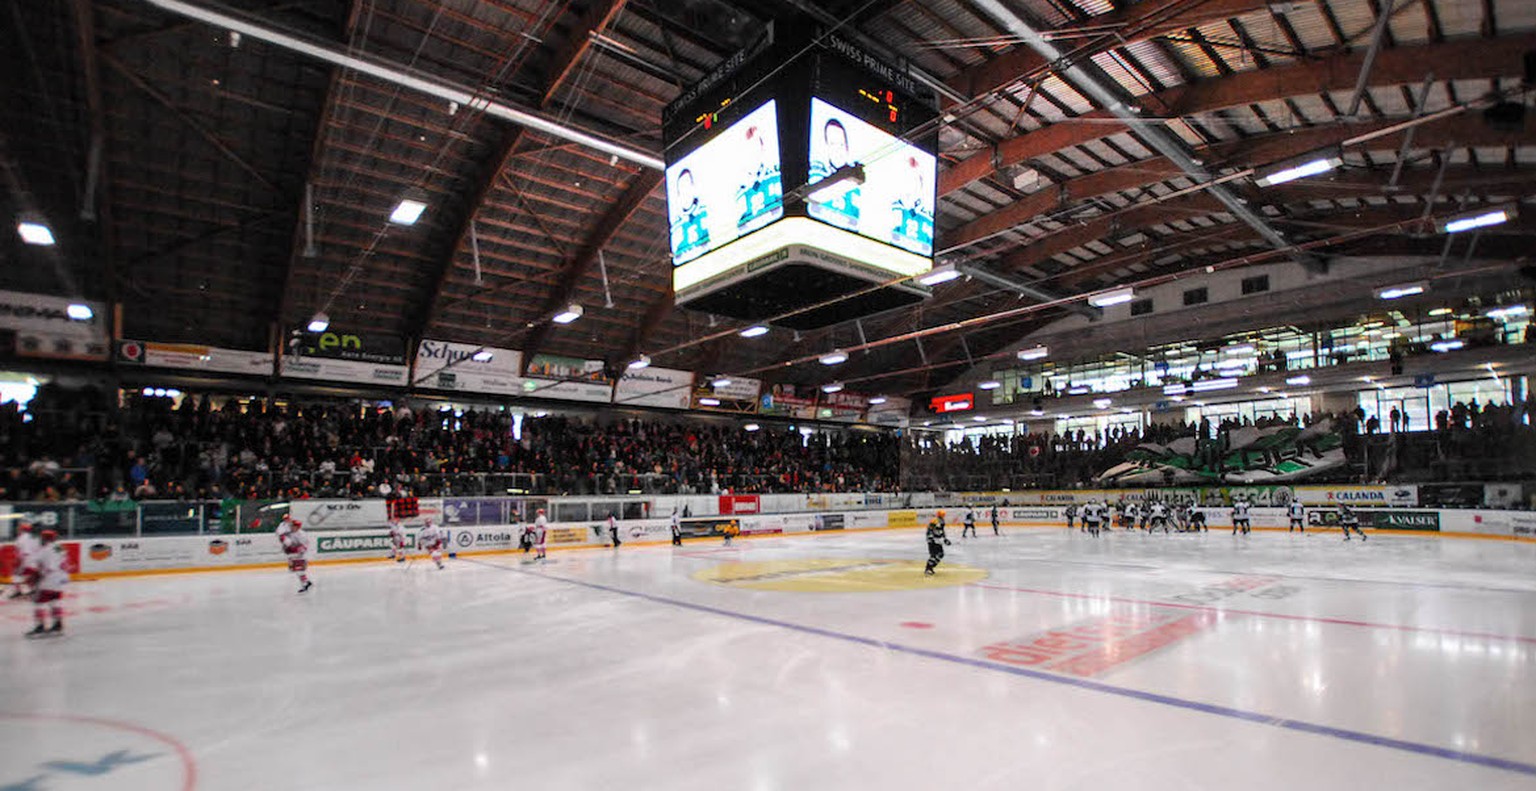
{"x":25,"y":527}
{"x":49,"y":536}
{"x":941,"y":513}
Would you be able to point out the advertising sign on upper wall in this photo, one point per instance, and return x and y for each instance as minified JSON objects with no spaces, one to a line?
{"x":43,"y":328}
{"x":355,"y":358}
{"x":468,"y":367}
{"x":567,"y":378}
{"x":662,"y":387}
{"x":189,"y":356}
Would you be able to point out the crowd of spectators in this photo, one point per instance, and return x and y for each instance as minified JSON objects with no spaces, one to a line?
{"x":77,"y":445}
{"x":73,"y":445}
{"x":1492,"y":442}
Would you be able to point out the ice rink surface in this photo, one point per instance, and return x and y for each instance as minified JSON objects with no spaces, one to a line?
{"x":1042,"y":659}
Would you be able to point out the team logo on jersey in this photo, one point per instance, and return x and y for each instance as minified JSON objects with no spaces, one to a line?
{"x":101,"y":551}
{"x":217,"y":547}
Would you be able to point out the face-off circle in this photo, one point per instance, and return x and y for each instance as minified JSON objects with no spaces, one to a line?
{"x":64,"y":752}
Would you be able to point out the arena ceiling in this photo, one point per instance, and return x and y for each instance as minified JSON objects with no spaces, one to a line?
{"x":175,"y":162}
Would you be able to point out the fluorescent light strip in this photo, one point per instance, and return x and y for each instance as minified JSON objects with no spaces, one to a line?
{"x":1114,"y":297}
{"x":753,"y":331}
{"x":1498,"y":217}
{"x":1034,"y":353}
{"x":990,"y":384}
{"x":1298,"y":380}
{"x":1301,"y":171}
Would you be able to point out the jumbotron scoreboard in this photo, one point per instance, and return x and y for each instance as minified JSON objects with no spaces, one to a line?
{"x":801,"y":170}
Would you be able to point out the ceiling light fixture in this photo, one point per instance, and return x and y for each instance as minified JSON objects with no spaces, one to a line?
{"x":832,"y":387}
{"x":640,"y":362}
{"x":720,"y":382}
{"x":1448,"y":345}
{"x":942,"y":273}
{"x":877,"y":400}
{"x":834,"y":357}
{"x":1478,"y":219}
{"x":750,"y":427}
{"x":482,"y":356}
{"x":1400,"y":291}
{"x":1299,"y":168}
{"x":409,"y":209}
{"x":79,"y":311}
{"x":571,"y":313}
{"x":753,"y":331}
{"x":990,"y":384}
{"x":709,"y":402}
{"x":836,"y":184}
{"x":1034,"y":353}
{"x":319,"y":322}
{"x":35,"y":231}
{"x":1298,"y":380}
{"x":1115,"y":296}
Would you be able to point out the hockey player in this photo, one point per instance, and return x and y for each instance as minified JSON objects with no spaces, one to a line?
{"x":1197,"y":520}
{"x":936,"y":543}
{"x":970,"y":522}
{"x":1129,"y":514}
{"x":295,"y":544}
{"x":432,"y":539}
{"x":1240,"y":518}
{"x":1298,"y":516}
{"x":1349,"y":520}
{"x":47,"y":573}
{"x":613,"y":529}
{"x":1146,"y":514}
{"x":1092,"y":513}
{"x":540,"y":530}
{"x":995,"y":530}
{"x":1071,"y":515}
{"x":1157,"y":515}
{"x":26,"y":546}
{"x":396,"y":540}
{"x":677,"y":529}
{"x":731,"y":530}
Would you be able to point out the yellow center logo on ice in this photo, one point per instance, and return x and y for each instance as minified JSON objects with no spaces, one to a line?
{"x":838,"y":575}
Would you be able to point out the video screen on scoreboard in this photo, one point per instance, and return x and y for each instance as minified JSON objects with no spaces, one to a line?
{"x":896,"y":201}
{"x":727,"y":187}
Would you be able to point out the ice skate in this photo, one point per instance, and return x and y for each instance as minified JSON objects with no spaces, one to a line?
{"x":306,"y":586}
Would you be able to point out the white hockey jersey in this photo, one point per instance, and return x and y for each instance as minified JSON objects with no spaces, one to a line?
{"x":27,"y":545}
{"x":293,"y":539}
{"x":49,"y":565}
{"x":432,"y":537}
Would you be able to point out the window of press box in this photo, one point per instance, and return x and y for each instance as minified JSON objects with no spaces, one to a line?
{"x":1257,"y":284}
{"x":1141,"y":307}
{"x":1196,"y":296}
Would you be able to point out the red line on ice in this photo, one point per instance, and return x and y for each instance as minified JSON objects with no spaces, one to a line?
{"x":1262,"y":614}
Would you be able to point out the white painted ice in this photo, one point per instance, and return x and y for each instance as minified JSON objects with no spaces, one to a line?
{"x":495,"y":674}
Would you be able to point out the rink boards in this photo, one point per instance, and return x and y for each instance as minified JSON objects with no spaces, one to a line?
{"x":107,"y":557}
